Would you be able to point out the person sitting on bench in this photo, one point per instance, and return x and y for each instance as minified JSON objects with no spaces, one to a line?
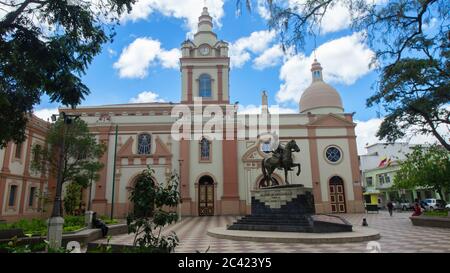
{"x":97,"y":223}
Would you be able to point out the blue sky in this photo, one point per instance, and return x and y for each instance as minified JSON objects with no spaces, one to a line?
{"x":246,"y":82}
{"x":142,"y":59}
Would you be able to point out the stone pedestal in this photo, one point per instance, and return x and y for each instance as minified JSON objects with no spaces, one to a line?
{"x":287,"y":208}
{"x":279,"y":208}
{"x":88,"y":215}
{"x":55,"y":231}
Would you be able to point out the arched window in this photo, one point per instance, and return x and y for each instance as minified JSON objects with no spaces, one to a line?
{"x":144,"y":144}
{"x":205,"y":86}
{"x":266,"y":147}
{"x":205,"y":146}
{"x":317,"y":75}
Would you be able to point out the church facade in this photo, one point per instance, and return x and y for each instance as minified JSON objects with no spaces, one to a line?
{"x":217,"y":175}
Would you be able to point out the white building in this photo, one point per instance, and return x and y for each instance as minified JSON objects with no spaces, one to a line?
{"x":379,"y":167}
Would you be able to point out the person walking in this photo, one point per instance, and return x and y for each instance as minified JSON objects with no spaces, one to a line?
{"x":390,"y":207}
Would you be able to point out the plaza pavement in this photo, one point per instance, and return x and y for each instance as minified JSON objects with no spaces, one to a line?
{"x":397,"y":235}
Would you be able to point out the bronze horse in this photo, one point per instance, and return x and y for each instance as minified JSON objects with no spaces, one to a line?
{"x":284,"y":161}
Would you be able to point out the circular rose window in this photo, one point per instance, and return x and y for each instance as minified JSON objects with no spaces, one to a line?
{"x":333,"y":154}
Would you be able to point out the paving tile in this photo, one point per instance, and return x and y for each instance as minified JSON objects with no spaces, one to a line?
{"x":397,"y":235}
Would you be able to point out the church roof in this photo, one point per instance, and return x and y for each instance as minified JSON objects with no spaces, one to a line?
{"x":319,"y":94}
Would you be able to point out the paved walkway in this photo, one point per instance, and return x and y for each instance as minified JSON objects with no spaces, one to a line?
{"x":397,"y":235}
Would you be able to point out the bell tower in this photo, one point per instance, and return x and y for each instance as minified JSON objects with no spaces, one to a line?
{"x":205,"y":65}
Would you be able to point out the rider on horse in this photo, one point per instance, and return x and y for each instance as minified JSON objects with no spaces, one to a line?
{"x":278,"y":153}
{"x":281,"y":159}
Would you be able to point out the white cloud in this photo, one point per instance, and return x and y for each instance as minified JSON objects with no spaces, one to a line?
{"x":170,"y":59}
{"x":269,"y":58}
{"x":365,"y":133}
{"x":337,"y":18}
{"x":111,"y":52}
{"x":146,"y":96}
{"x":431,"y":24}
{"x":137,"y":57}
{"x":257,"y":42}
{"x":366,"y":130}
{"x":46,"y":113}
{"x":274,"y":109}
{"x":262,"y":9}
{"x":187,"y":10}
{"x":344,"y":60}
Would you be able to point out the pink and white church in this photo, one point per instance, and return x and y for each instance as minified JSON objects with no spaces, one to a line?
{"x":217,"y":176}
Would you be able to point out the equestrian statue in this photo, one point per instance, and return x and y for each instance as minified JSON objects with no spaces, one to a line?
{"x":281,"y":159}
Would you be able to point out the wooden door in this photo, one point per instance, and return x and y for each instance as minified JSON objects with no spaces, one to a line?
{"x":206,"y":198}
{"x":337,"y":195}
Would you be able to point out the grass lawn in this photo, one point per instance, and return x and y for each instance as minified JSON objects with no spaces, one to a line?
{"x":39,"y":226}
{"x":436,"y":213}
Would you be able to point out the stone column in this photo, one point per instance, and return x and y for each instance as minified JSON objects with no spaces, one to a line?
{"x":230,"y":198}
{"x":315,"y":173}
{"x":186,"y":200}
{"x":99,"y":203}
{"x":26,"y":172}
{"x":88,"y":215}
{"x":4,"y":170}
{"x":220,"y":83}
{"x":190,"y":85}
{"x":358,"y":204}
{"x":55,"y":231}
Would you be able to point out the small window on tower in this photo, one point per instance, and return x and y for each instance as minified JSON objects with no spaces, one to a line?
{"x":205,"y":86}
{"x":316,"y":74}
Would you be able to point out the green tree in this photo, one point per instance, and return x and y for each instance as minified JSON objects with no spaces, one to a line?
{"x":88,"y":176}
{"x":81,"y":153}
{"x":427,"y":167}
{"x":152,"y":211}
{"x":411,"y":40}
{"x":72,"y":197}
{"x":45,"y":47}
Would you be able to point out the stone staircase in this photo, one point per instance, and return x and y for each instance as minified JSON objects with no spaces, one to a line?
{"x":274,"y":222}
{"x":287,"y":208}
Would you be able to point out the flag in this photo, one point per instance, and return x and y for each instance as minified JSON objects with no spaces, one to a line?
{"x":388,"y":163}
{"x":385,"y":162}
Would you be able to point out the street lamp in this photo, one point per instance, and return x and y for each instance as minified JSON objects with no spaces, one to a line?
{"x":56,"y":221}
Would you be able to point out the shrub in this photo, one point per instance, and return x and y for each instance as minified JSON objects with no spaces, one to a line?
{"x":39,"y":226}
{"x":149,"y":199}
{"x":72,"y":198}
{"x":108,"y":220}
{"x":436,"y":213}
{"x":70,"y":220}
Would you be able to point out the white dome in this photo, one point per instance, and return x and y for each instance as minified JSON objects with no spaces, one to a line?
{"x":320,"y":97}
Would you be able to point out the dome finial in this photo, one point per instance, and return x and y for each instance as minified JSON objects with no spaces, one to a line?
{"x":316,"y":70}
{"x":205,"y":8}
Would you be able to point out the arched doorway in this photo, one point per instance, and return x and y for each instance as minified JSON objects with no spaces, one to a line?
{"x":337,"y":195}
{"x":206,"y":196}
{"x":140,"y":187}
